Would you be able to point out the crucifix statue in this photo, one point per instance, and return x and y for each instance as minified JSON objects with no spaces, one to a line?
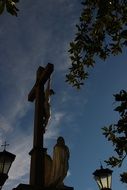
{"x":46,"y":173}
{"x":41,"y":97}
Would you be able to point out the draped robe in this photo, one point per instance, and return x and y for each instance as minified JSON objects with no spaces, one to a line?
{"x":59,"y":164}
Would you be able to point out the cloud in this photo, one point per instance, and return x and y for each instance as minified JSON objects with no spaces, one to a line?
{"x":68,"y":173}
{"x":53,"y":129}
{"x":4,"y":124}
{"x":1,"y":138}
{"x":21,"y":147}
{"x":22,"y":144}
{"x":19,"y":171}
{"x":27,"y":42}
{"x":72,"y":98}
{"x":17,"y":109}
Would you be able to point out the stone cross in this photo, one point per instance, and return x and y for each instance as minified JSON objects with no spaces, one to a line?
{"x":37,"y":153}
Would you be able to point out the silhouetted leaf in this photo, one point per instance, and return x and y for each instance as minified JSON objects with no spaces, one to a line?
{"x":2,"y":6}
{"x":117,"y":134}
{"x":124,"y":34}
{"x":101,"y":31}
{"x":124,"y":177}
{"x":10,"y":6}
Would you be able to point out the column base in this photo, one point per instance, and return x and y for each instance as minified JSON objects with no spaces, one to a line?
{"x":31,"y":187}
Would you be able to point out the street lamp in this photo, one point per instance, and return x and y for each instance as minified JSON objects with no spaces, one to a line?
{"x":6,"y":159}
{"x":103,"y":177}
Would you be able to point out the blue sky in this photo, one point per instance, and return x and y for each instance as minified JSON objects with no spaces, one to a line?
{"x":40,"y":34}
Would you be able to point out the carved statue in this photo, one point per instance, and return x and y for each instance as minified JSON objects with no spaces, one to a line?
{"x":60,"y":163}
{"x":48,"y":168}
{"x":48,"y":93}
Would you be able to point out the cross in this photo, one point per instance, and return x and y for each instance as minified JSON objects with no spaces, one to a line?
{"x":37,"y":153}
{"x":37,"y":94}
{"x":5,"y":145}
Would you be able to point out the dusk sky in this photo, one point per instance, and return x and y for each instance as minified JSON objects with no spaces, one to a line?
{"x":40,"y":35}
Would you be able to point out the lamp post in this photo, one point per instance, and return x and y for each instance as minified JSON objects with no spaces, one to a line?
{"x":103,"y":177}
{"x":6,"y":159}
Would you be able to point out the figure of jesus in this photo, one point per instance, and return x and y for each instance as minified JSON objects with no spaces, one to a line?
{"x":47,"y":110}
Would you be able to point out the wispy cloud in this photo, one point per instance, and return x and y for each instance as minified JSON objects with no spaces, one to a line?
{"x":4,"y":124}
{"x":53,"y":129}
{"x":22,"y":145}
{"x":21,"y":148}
{"x":68,"y":173}
{"x":27,"y":42}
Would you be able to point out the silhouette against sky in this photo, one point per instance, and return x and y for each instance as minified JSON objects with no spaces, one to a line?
{"x":39,"y":35}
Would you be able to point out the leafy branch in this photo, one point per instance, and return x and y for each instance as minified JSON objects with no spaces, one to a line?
{"x":117,"y":134}
{"x":96,"y":36}
{"x":10,"y":6}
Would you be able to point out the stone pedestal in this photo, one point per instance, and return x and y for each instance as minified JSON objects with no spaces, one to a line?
{"x":30,"y":187}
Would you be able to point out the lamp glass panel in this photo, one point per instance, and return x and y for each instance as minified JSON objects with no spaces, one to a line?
{"x":109,"y":181}
{"x":6,"y":167}
{"x":5,"y":163}
{"x":98,"y":180}
{"x":104,"y":181}
{"x":1,"y":167}
{"x":1,"y":163}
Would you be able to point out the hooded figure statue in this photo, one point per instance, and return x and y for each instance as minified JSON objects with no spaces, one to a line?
{"x":60,"y":164}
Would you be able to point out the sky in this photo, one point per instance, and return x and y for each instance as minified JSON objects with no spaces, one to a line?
{"x":40,"y":35}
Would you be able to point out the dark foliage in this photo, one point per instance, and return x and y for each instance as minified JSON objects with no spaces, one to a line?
{"x":10,"y":6}
{"x":102,"y":32}
{"x":117,"y":134}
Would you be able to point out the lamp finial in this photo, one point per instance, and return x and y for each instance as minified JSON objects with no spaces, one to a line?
{"x":5,"y":145}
